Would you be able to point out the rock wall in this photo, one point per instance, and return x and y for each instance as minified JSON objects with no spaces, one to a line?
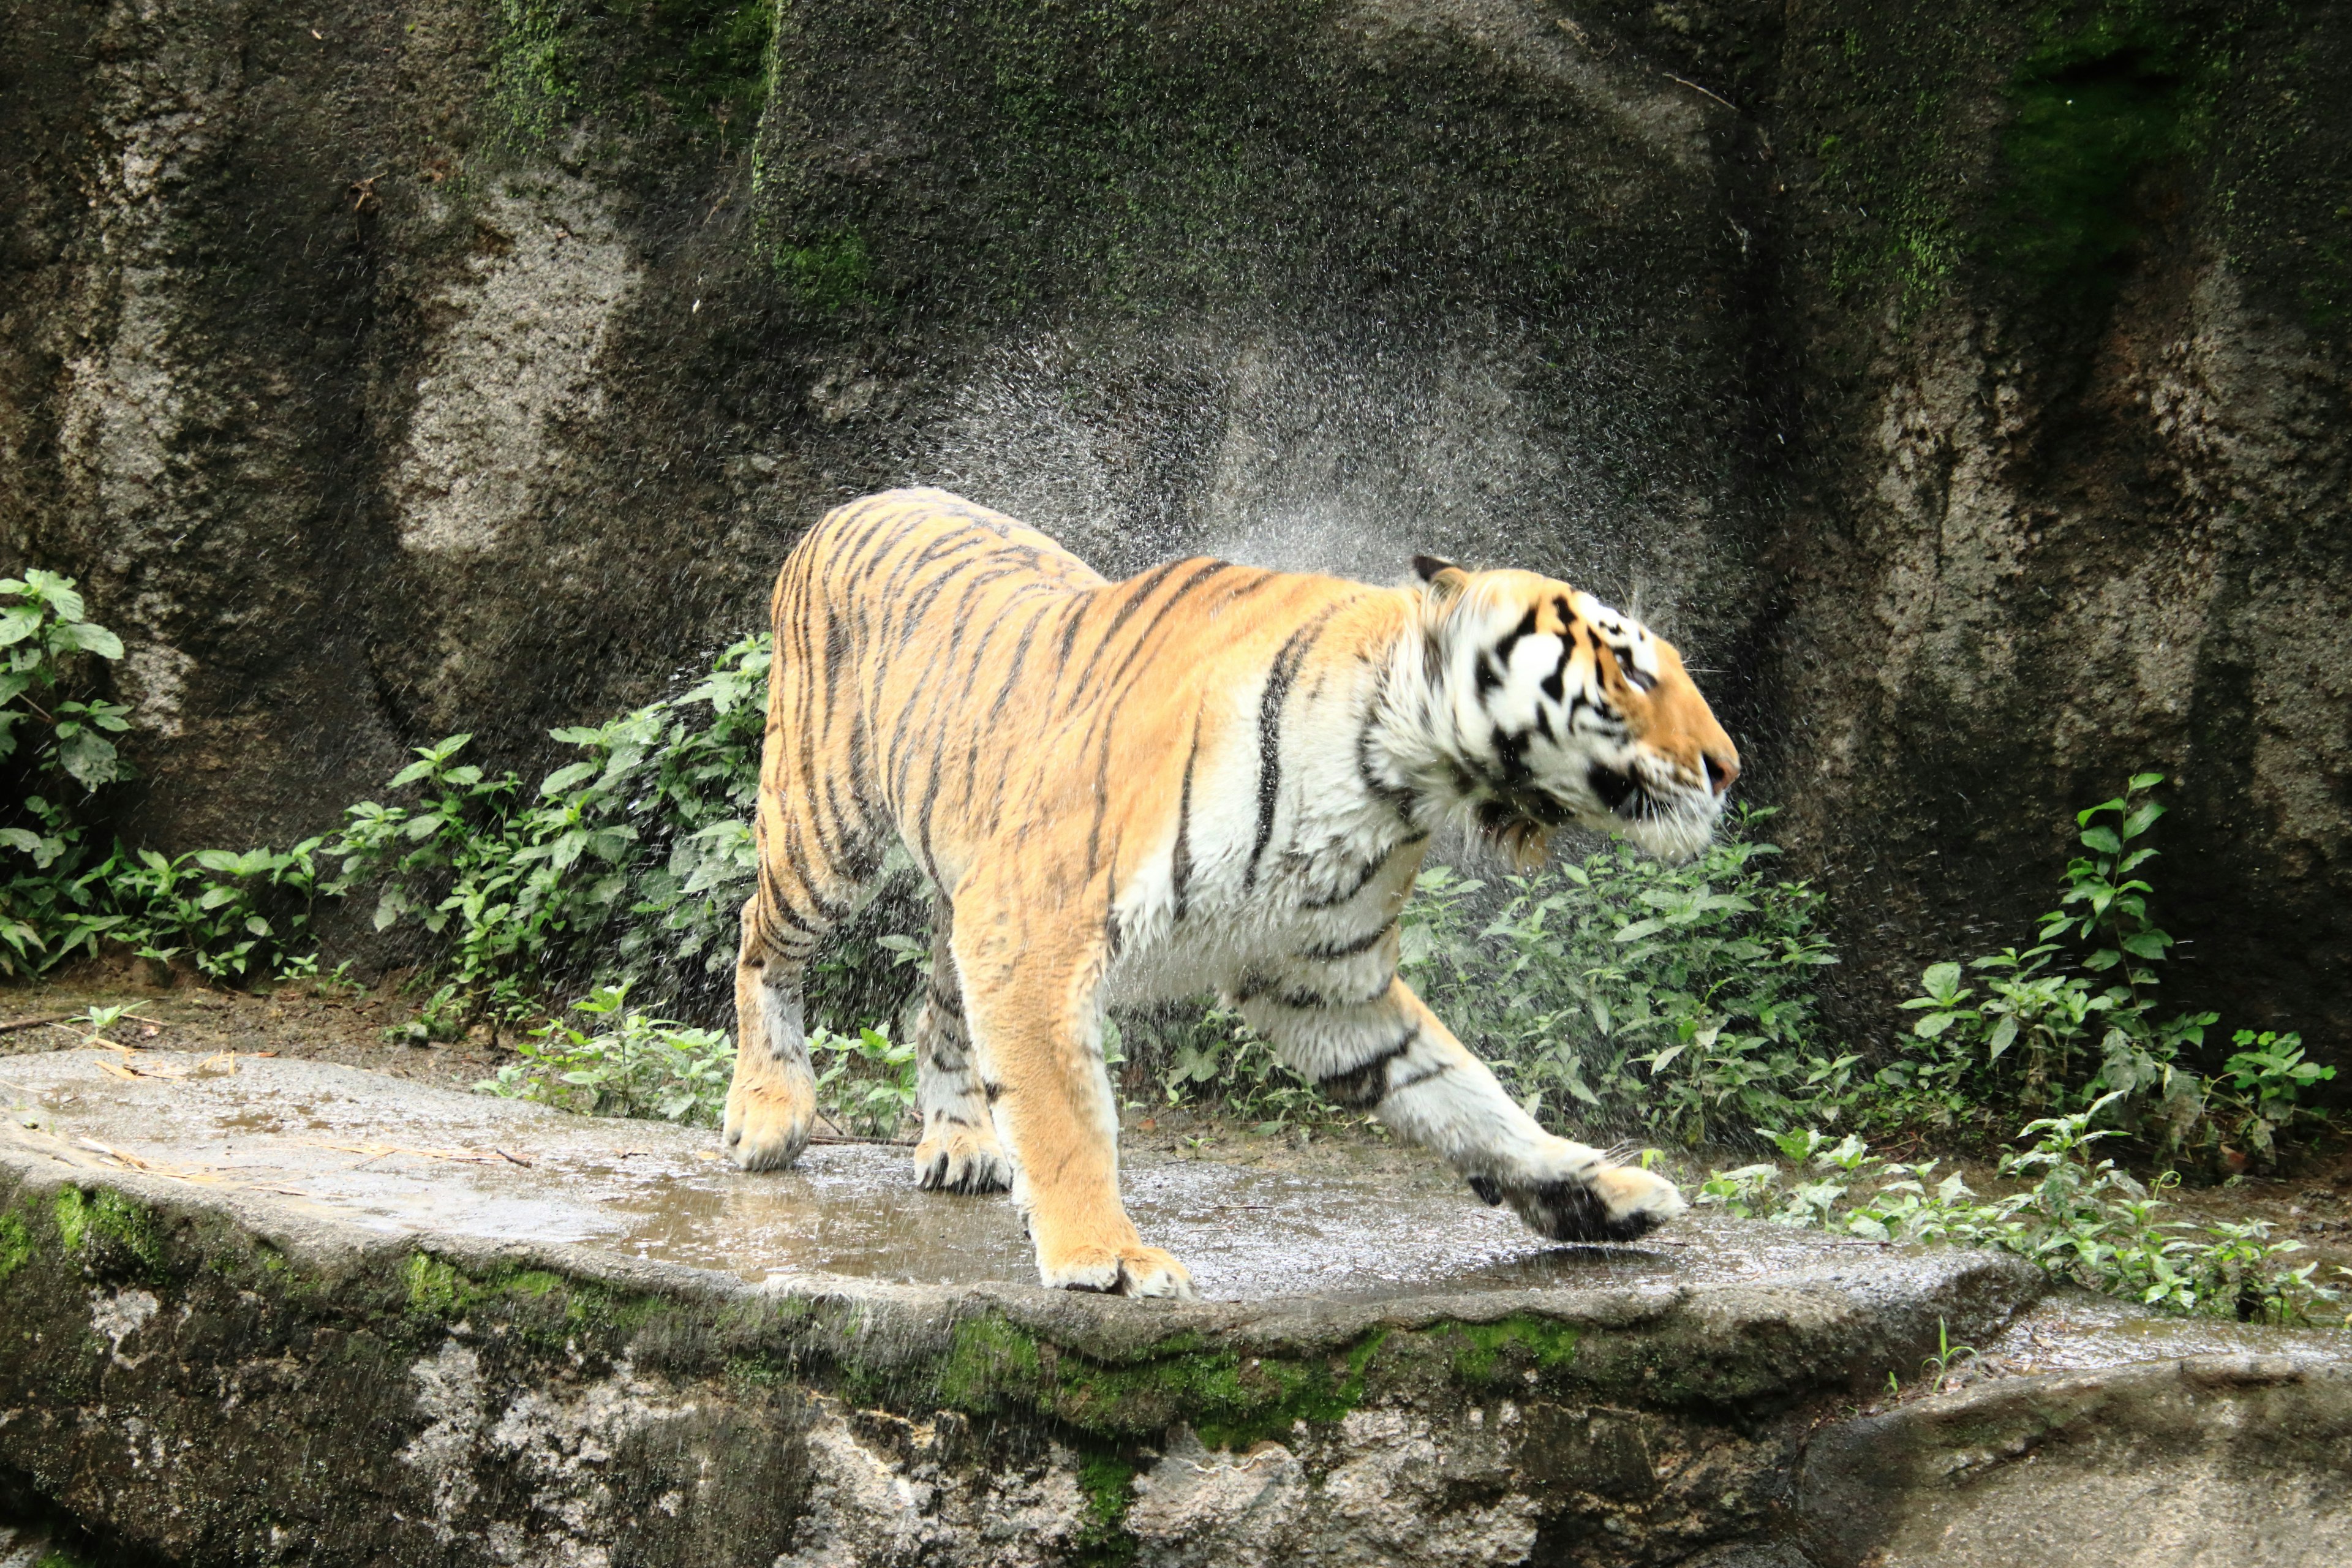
{"x":1965,"y":387}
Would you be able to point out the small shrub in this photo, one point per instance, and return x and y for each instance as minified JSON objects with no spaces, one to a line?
{"x":630,"y":862}
{"x":2091,"y":1224}
{"x":1208,"y":1057}
{"x":865,"y":1081}
{"x":625,"y":1064}
{"x":1675,"y":999}
{"x":54,"y":752}
{"x":2074,"y":1019}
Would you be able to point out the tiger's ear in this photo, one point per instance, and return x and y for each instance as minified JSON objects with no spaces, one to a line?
{"x":1445,"y":578}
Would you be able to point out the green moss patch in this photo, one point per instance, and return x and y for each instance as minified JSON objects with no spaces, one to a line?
{"x":16,"y":1245}
{"x":698,"y":64}
{"x":1231,"y":1399}
{"x":2101,"y":107}
{"x":1486,"y":1352}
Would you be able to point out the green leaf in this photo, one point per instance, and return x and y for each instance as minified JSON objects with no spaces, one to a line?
{"x":2146,"y":781}
{"x":59,"y":591}
{"x":89,"y":758}
{"x":2003,"y":1034}
{"x":564,"y":778}
{"x":2146,"y":943}
{"x":20,"y":623}
{"x":93,"y":639}
{"x":2142,"y":819}
{"x":1639,"y":929}
{"x":2104,"y":840}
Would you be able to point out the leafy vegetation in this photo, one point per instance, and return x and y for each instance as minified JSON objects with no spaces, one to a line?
{"x":625,"y":1064}
{"x":2074,"y":1019}
{"x":621,"y":1061}
{"x":1622,"y":991}
{"x":2091,"y":1224}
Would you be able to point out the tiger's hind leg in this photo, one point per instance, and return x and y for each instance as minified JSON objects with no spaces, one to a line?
{"x":772,"y":1104}
{"x":958,"y":1153}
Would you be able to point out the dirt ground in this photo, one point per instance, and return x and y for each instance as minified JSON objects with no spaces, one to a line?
{"x":348,"y":1025}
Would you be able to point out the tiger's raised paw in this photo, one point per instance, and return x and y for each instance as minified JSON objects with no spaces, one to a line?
{"x":962,"y":1160}
{"x":1134,"y":1270}
{"x":767,"y":1128}
{"x":1608,"y":1203}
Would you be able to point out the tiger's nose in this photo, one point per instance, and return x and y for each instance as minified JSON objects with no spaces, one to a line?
{"x":1722,"y":770}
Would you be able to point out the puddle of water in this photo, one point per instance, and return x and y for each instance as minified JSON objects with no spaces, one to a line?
{"x":1343,"y":1222}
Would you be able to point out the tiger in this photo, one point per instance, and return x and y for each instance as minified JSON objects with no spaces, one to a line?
{"x":1210,"y":778}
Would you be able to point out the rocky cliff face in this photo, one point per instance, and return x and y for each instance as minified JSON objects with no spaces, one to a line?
{"x":1965,"y":389}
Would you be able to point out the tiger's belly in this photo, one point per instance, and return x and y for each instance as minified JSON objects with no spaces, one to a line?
{"x":1313,"y":922}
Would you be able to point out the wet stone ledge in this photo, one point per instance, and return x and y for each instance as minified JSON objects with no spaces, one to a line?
{"x":221,"y":1343}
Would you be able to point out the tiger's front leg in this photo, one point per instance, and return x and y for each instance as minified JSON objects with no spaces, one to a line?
{"x":1392,"y":1056}
{"x":1036,"y":1031}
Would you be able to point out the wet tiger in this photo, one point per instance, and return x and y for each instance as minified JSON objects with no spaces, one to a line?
{"x":1209,"y":778}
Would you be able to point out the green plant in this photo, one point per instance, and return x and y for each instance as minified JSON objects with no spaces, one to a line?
{"x":626,"y":1064}
{"x":54,"y":752}
{"x":2074,"y":1019}
{"x":865,"y":1081}
{"x":1209,"y":1057}
{"x":95,"y":1021}
{"x":2086,"y":1222}
{"x":630,"y":862}
{"x":1939,"y":1366}
{"x":1675,"y":998}
{"x":2259,"y":1089}
{"x":443,"y":1018}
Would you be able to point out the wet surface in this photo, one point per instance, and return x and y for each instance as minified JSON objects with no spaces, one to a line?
{"x":2074,"y":1331}
{"x":398,"y":1155}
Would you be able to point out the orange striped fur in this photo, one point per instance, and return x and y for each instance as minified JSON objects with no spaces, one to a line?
{"x":1209,"y":778}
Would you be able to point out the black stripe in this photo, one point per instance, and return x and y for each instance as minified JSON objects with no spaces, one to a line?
{"x":1365,"y":1085}
{"x":1417,"y":1080}
{"x":1269,"y":735}
{"x":1326,"y":952}
{"x":1364,"y":878}
{"x":1148,"y":586}
{"x":1180,"y":860}
{"x":1143,"y":638}
{"x":1102,"y":797}
{"x":1525,"y":628}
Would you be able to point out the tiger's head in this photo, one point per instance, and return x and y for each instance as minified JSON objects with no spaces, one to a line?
{"x":1547,"y":707}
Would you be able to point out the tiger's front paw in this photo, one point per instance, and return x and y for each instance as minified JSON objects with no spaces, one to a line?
{"x":1600,"y":1202}
{"x":1128,"y":1270}
{"x":961,"y":1160}
{"x":768,"y":1126}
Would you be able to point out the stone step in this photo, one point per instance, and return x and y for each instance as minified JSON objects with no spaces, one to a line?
{"x":297,"y":1310}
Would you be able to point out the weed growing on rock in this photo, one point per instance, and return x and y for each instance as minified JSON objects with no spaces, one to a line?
{"x":2074,"y":1019}
{"x":623,"y":1063}
{"x":620,"y":1061}
{"x":2085,"y":1222}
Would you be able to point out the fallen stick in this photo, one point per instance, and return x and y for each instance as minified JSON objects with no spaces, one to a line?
{"x":11,"y":1027}
{"x":378,"y":1151}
